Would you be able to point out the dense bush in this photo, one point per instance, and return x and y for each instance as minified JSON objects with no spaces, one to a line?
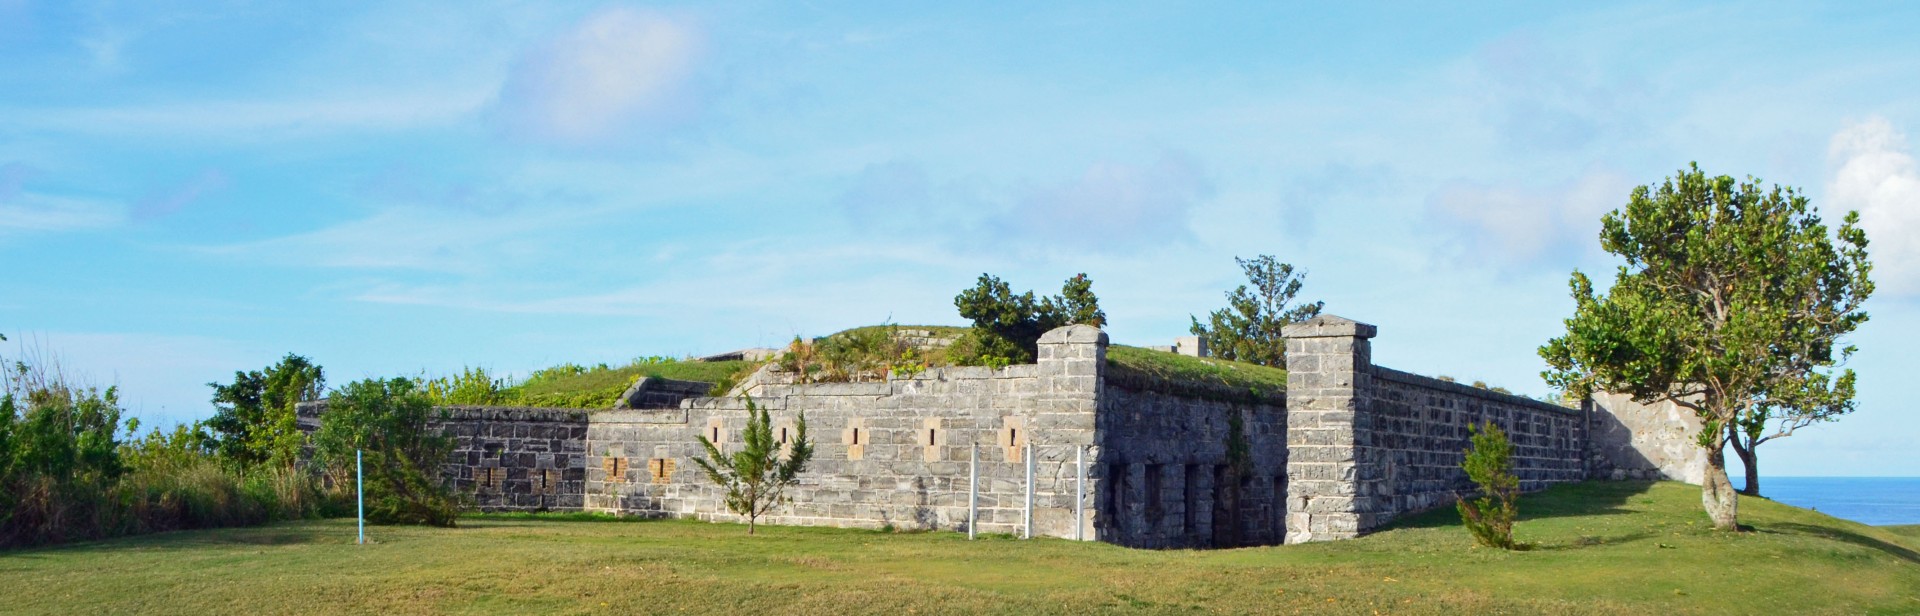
{"x":1007,"y":327}
{"x":65,"y":474}
{"x":254,"y":419}
{"x":390,"y":421}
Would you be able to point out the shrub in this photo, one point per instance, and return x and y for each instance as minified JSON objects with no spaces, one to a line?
{"x":862,"y":354}
{"x":65,"y":474}
{"x":471,"y":386}
{"x":1489,"y":464}
{"x":390,"y":421}
{"x":254,"y":417}
{"x":1007,"y":327}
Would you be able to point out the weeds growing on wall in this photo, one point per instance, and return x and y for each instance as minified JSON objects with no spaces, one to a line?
{"x":859,"y":355}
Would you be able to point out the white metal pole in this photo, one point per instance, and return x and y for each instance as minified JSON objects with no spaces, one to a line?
{"x":1026,"y":532}
{"x":360,"y":494}
{"x":973,"y":490}
{"x":1080,"y":493}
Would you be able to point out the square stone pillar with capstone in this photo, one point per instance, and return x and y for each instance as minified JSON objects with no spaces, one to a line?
{"x":1329,"y":371}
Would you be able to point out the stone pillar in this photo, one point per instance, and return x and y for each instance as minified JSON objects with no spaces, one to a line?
{"x":1063,"y":418}
{"x":1329,"y":370}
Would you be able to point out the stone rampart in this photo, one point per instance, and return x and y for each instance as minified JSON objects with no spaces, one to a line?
{"x":1187,"y":475}
{"x":508,"y":458}
{"x":1367,"y":443}
{"x":1421,"y":428}
{"x":892,"y":453}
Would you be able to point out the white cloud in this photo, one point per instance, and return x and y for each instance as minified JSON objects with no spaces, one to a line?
{"x":618,"y":72}
{"x":1874,"y":172}
{"x":1514,"y":226}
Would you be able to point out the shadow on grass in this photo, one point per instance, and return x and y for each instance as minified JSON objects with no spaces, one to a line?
{"x":1827,"y":532}
{"x":283,"y":533}
{"x":1588,"y":498}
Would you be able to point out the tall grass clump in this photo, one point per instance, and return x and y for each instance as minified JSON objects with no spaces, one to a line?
{"x":67,"y":474}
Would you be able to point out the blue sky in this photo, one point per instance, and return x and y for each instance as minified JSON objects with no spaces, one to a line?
{"x":190,"y":190}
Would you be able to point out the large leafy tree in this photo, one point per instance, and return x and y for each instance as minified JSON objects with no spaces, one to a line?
{"x":393,"y":423}
{"x":1731,"y":303}
{"x":1007,"y":326}
{"x":756,"y":475}
{"x":1248,"y":329}
{"x":254,"y":415}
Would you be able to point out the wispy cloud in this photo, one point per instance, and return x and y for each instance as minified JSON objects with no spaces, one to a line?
{"x":1516,"y":227}
{"x":617,"y":73}
{"x":24,"y":210}
{"x":1874,"y":172}
{"x":1110,"y":207}
{"x":413,"y":239}
{"x":160,"y":204}
{"x":228,"y":120}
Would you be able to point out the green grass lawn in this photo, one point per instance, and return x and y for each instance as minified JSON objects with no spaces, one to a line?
{"x":1600,"y":548}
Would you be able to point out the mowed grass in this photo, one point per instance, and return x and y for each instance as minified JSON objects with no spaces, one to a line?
{"x":1599,"y":548}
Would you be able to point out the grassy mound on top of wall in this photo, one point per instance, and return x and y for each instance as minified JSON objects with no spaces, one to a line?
{"x":1204,"y":376}
{"x":600,"y":386}
{"x":1598,"y":548}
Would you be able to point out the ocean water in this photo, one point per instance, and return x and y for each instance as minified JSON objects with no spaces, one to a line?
{"x":1867,"y":500}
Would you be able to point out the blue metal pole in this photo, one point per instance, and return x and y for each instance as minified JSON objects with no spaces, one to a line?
{"x":360,"y":494}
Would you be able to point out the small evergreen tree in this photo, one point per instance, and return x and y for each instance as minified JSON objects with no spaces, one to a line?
{"x":1490,"y":465}
{"x":1248,"y":329}
{"x":755,"y":476}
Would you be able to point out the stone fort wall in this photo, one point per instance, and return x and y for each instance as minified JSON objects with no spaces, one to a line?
{"x":1368,"y":443}
{"x":893,"y":453}
{"x":1346,"y":449}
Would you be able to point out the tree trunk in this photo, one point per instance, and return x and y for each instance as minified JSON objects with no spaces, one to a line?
{"x":1750,"y":460}
{"x":1716,"y":492}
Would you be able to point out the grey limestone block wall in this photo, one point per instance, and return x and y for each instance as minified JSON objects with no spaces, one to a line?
{"x":1368,"y":443}
{"x":1632,"y":440}
{"x":518,"y":459}
{"x":652,"y":392}
{"x":890,"y":453}
{"x":1169,"y":481}
{"x":1419,"y":429}
{"x":507,"y":458}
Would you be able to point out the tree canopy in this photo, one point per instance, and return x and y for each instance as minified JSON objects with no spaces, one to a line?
{"x":254,"y":415}
{"x":1248,"y":329}
{"x":1731,"y":302}
{"x":1007,"y":327}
